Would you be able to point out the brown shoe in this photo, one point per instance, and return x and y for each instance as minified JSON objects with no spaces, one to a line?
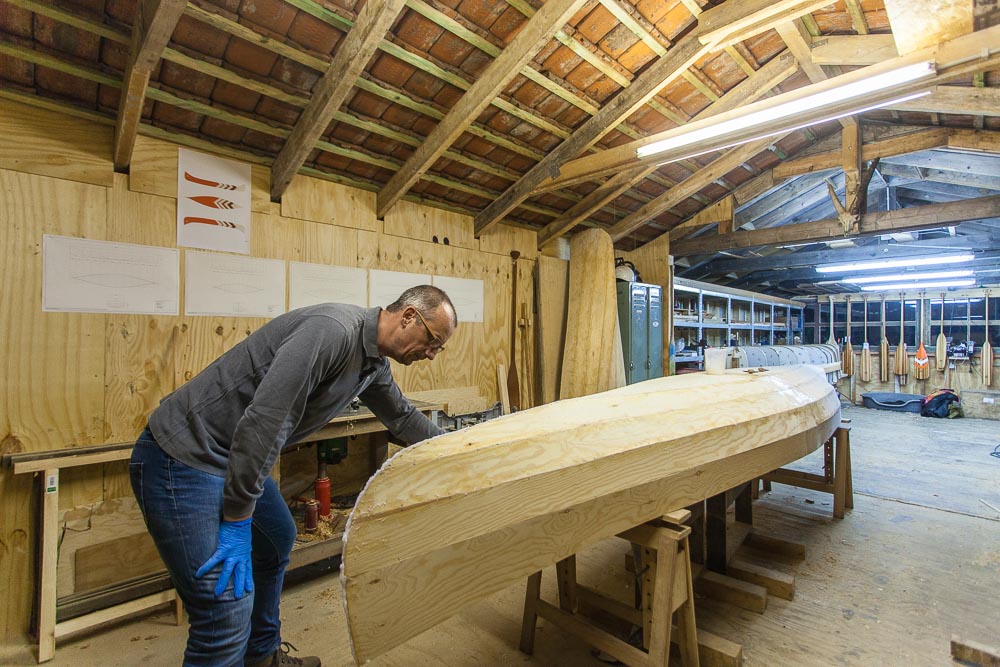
{"x":280,"y":658}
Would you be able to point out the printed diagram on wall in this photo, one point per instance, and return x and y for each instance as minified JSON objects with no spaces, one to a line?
{"x":234,"y":286}
{"x":81,"y":275}
{"x":213,"y":202}
{"x":466,"y":294}
{"x":309,"y":284}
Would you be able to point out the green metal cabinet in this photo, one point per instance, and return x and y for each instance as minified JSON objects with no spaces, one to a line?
{"x":640,"y":316}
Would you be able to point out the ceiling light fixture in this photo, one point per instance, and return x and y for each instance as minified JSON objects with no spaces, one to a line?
{"x":902,"y":277}
{"x":767,"y":112}
{"x":896,"y":263}
{"x":911,"y":286}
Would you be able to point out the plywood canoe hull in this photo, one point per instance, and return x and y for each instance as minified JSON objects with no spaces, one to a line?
{"x":464,"y":515}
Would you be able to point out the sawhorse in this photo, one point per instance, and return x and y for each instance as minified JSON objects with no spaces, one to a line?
{"x":836,"y":477}
{"x":666,"y":588}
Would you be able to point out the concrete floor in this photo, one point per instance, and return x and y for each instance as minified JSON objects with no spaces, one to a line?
{"x":917,"y":560}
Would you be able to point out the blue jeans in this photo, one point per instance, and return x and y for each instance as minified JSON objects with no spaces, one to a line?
{"x":183,"y":508}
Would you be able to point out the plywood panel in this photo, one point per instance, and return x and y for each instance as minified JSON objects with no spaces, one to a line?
{"x":53,"y":389}
{"x":43,"y":142}
{"x":429,"y":224}
{"x":154,"y":167}
{"x":330,"y":203}
{"x":551,"y":295}
{"x":501,"y":239}
{"x":115,"y":561}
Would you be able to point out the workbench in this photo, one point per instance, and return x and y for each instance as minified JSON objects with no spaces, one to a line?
{"x":49,"y":464}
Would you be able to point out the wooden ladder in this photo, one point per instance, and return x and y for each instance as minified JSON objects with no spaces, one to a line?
{"x":666,"y":588}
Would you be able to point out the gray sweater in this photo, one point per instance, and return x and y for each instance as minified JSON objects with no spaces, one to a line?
{"x":285,"y":381}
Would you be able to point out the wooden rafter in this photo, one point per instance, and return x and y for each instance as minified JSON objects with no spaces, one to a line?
{"x":852,"y":49}
{"x":684,"y":53}
{"x":908,"y":143}
{"x":750,"y":89}
{"x":956,"y":58}
{"x":734,"y":22}
{"x":675,"y":195}
{"x":155,"y":21}
{"x":330,"y":92}
{"x":533,"y":36}
{"x":901,"y":220}
{"x":798,"y":41}
{"x":957,"y":100}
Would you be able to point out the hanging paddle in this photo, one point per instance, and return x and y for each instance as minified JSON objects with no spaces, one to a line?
{"x":921,"y":364}
{"x":901,"y":361}
{"x":847,"y":361}
{"x":831,"y":340}
{"x":883,"y":350}
{"x":865,"y":369}
{"x":513,"y":386}
{"x":987,"y":356}
{"x":941,"y":353}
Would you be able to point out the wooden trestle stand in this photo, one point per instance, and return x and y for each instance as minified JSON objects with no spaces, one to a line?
{"x":666,"y":588}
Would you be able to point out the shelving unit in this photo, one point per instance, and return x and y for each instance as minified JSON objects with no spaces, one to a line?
{"x":723,"y":317}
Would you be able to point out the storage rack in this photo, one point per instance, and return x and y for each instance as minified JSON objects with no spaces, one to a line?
{"x":724,"y":316}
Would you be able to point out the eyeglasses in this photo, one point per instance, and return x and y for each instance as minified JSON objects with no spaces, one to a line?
{"x":430,"y":332}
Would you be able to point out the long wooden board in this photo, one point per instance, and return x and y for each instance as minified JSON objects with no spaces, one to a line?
{"x":461,"y":516}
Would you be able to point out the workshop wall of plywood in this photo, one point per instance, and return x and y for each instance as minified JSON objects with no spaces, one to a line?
{"x":73,"y":379}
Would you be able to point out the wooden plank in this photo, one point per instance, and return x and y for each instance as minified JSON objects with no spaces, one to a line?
{"x":852,"y":49}
{"x":115,"y":561}
{"x":917,"y":24}
{"x":978,"y":140}
{"x":775,"y":545}
{"x":502,"y":239}
{"x":956,"y":100}
{"x":551,"y":296}
{"x":88,"y":621}
{"x":740,"y":593}
{"x":798,"y":39}
{"x":592,"y":354}
{"x":48,"y":143}
{"x":715,"y":651}
{"x":531,"y":37}
{"x":777,"y":583}
{"x":49,"y":561}
{"x":154,"y":23}
{"x":974,"y":653}
{"x":734,"y":22}
{"x":684,"y":53}
{"x":417,"y":540}
{"x":329,"y":93}
{"x":907,"y":219}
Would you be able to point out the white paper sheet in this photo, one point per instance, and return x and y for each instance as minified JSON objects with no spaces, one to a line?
{"x":213,"y":202}
{"x":231,"y":285}
{"x":466,"y":294}
{"x":80,"y":275}
{"x":384,"y":287}
{"x":310,"y":284}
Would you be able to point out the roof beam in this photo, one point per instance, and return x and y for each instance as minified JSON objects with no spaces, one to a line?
{"x":953,"y":99}
{"x":762,"y":81}
{"x":532,"y":37}
{"x":907,"y":219}
{"x":734,"y":22}
{"x":851,"y":49}
{"x":665,"y":70}
{"x":692,"y":184}
{"x":790,"y":260}
{"x":155,"y":21}
{"x":330,"y":92}
{"x":899,"y":145}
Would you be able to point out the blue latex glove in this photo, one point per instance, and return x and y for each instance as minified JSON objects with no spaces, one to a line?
{"x":234,"y":554}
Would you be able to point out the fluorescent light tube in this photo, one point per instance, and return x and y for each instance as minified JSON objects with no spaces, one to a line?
{"x":911,"y":286}
{"x":900,"y":277}
{"x":858,"y":89}
{"x":895,"y":263}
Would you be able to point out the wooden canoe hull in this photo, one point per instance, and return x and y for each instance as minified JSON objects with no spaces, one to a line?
{"x":469,"y":513}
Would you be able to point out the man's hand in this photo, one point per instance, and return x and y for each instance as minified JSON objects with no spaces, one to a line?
{"x":234,"y":554}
